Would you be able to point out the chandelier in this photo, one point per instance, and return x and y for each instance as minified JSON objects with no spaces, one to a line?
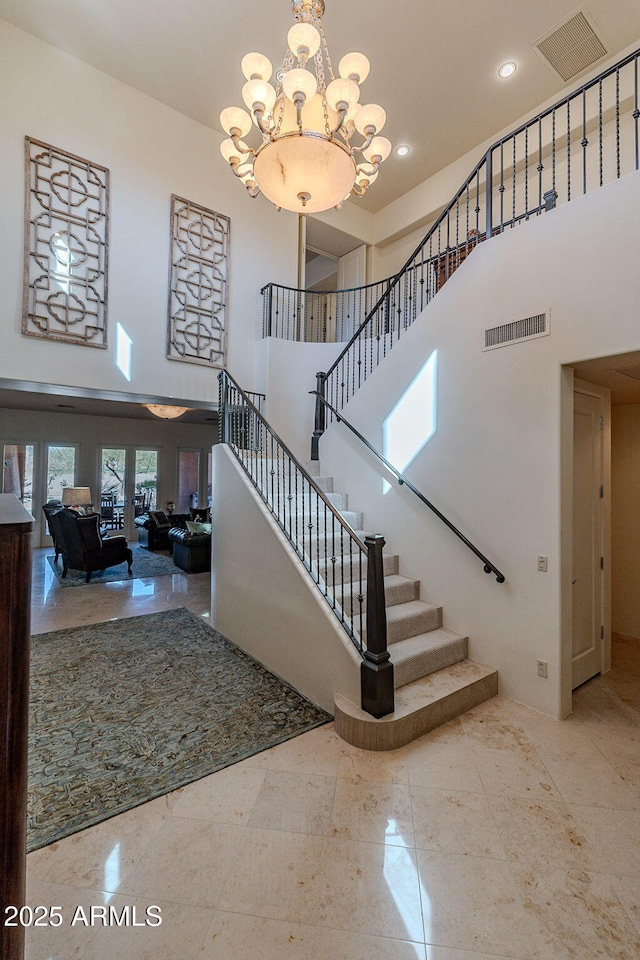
{"x":306,"y":161}
{"x":165,"y":411}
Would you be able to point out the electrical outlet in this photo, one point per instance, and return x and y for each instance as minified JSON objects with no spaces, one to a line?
{"x":542,"y":564}
{"x":543,"y":668}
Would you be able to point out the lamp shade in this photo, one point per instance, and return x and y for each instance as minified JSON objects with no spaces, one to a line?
{"x":256,"y":65}
{"x":76,"y":496}
{"x":354,"y":65}
{"x":370,"y":115}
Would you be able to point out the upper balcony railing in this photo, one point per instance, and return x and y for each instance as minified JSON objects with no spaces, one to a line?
{"x":587,"y":139}
{"x":328,"y":316}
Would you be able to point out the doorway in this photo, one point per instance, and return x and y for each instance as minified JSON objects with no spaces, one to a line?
{"x":588,"y":630}
{"x":128,"y":486}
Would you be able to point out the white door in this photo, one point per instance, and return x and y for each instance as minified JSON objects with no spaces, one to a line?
{"x":587,"y":579}
{"x":352,"y":272}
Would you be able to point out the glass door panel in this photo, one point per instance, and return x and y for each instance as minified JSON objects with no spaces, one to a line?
{"x":17,"y":473}
{"x":112,"y":486}
{"x":145,"y":481}
{"x":61,"y":470}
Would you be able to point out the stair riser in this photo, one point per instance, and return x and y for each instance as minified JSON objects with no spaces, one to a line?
{"x":430,"y":619}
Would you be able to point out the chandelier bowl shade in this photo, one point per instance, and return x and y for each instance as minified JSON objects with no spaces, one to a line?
{"x":165,"y":411}
{"x":307,"y":118}
{"x":304,"y":174}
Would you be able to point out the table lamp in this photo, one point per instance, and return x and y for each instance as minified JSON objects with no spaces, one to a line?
{"x":78,"y":498}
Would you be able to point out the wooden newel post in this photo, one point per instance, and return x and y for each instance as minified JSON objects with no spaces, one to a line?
{"x":15,"y":602}
{"x":320,"y":417}
{"x":376,"y":670}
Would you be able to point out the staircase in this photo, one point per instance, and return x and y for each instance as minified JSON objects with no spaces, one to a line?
{"x":434,"y":679}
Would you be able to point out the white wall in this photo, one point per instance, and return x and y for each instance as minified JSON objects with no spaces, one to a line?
{"x":625,"y":471}
{"x":494,"y":463}
{"x":263,"y":600}
{"x":289,"y":373}
{"x":152,"y":151}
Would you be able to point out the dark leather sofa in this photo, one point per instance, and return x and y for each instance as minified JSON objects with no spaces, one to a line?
{"x":191,"y":551}
{"x":153,"y":528}
{"x":81,"y":546}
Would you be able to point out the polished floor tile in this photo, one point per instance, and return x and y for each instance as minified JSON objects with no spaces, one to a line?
{"x":501,"y":836}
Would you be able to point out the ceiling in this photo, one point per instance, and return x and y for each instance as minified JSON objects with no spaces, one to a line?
{"x":620,"y":374}
{"x":433,"y":65}
{"x":49,"y":398}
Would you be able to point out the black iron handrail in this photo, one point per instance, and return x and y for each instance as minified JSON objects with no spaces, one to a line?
{"x":506,"y":188}
{"x":489,"y":567}
{"x":347,"y":570}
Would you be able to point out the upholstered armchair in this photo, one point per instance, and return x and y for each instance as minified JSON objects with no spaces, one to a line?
{"x":81,"y":546}
{"x":52,"y":506}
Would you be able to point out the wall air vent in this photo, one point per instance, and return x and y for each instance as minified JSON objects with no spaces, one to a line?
{"x":517,"y":331}
{"x":571,"y":47}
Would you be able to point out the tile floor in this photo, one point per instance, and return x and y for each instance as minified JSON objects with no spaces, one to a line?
{"x":502,"y":835}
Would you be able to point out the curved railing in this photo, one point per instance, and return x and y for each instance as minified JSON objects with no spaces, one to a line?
{"x":325,"y":316}
{"x":346,"y":570}
{"x":488,"y":566}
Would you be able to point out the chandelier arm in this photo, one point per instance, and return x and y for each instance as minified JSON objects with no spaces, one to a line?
{"x":371,"y":132}
{"x":258,"y":113}
{"x":238,"y":145}
{"x":360,"y":189}
{"x":343,"y":109}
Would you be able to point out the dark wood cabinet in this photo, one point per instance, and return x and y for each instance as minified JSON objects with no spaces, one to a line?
{"x":16,"y":526}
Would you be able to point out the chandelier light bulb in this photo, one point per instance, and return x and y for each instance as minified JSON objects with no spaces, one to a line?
{"x":342,"y":91}
{"x":299,"y":81}
{"x":303,"y":39}
{"x":379,"y":147}
{"x":259,"y":91}
{"x":370,"y":115}
{"x":256,"y":65}
{"x":235,"y":118}
{"x":354,"y":66}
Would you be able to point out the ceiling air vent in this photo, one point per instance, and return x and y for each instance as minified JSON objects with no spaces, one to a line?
{"x":572,"y":47}
{"x":517,"y":331}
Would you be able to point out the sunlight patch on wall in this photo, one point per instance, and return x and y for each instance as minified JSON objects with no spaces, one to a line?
{"x":124,"y":344}
{"x":412,"y":422}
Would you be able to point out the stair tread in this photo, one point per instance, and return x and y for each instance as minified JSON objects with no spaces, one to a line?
{"x":433,"y":639}
{"x":411,"y":608}
{"x":419,"y":707}
{"x":437,"y":686}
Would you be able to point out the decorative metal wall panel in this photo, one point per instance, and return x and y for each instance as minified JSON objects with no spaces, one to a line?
{"x":198,"y":284}
{"x":66,"y":247}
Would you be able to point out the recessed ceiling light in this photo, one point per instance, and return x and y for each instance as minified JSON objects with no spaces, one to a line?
{"x":402,"y":150}
{"x":507,"y":69}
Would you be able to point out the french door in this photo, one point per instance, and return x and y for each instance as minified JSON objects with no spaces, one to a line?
{"x":128,"y":486}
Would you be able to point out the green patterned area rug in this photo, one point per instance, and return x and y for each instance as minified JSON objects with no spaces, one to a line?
{"x":145,"y":564}
{"x":125,"y":711}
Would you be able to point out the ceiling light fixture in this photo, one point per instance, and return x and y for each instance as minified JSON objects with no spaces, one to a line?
{"x":164,"y":411}
{"x":403,"y":149}
{"x":306,"y":161}
{"x":507,"y":69}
